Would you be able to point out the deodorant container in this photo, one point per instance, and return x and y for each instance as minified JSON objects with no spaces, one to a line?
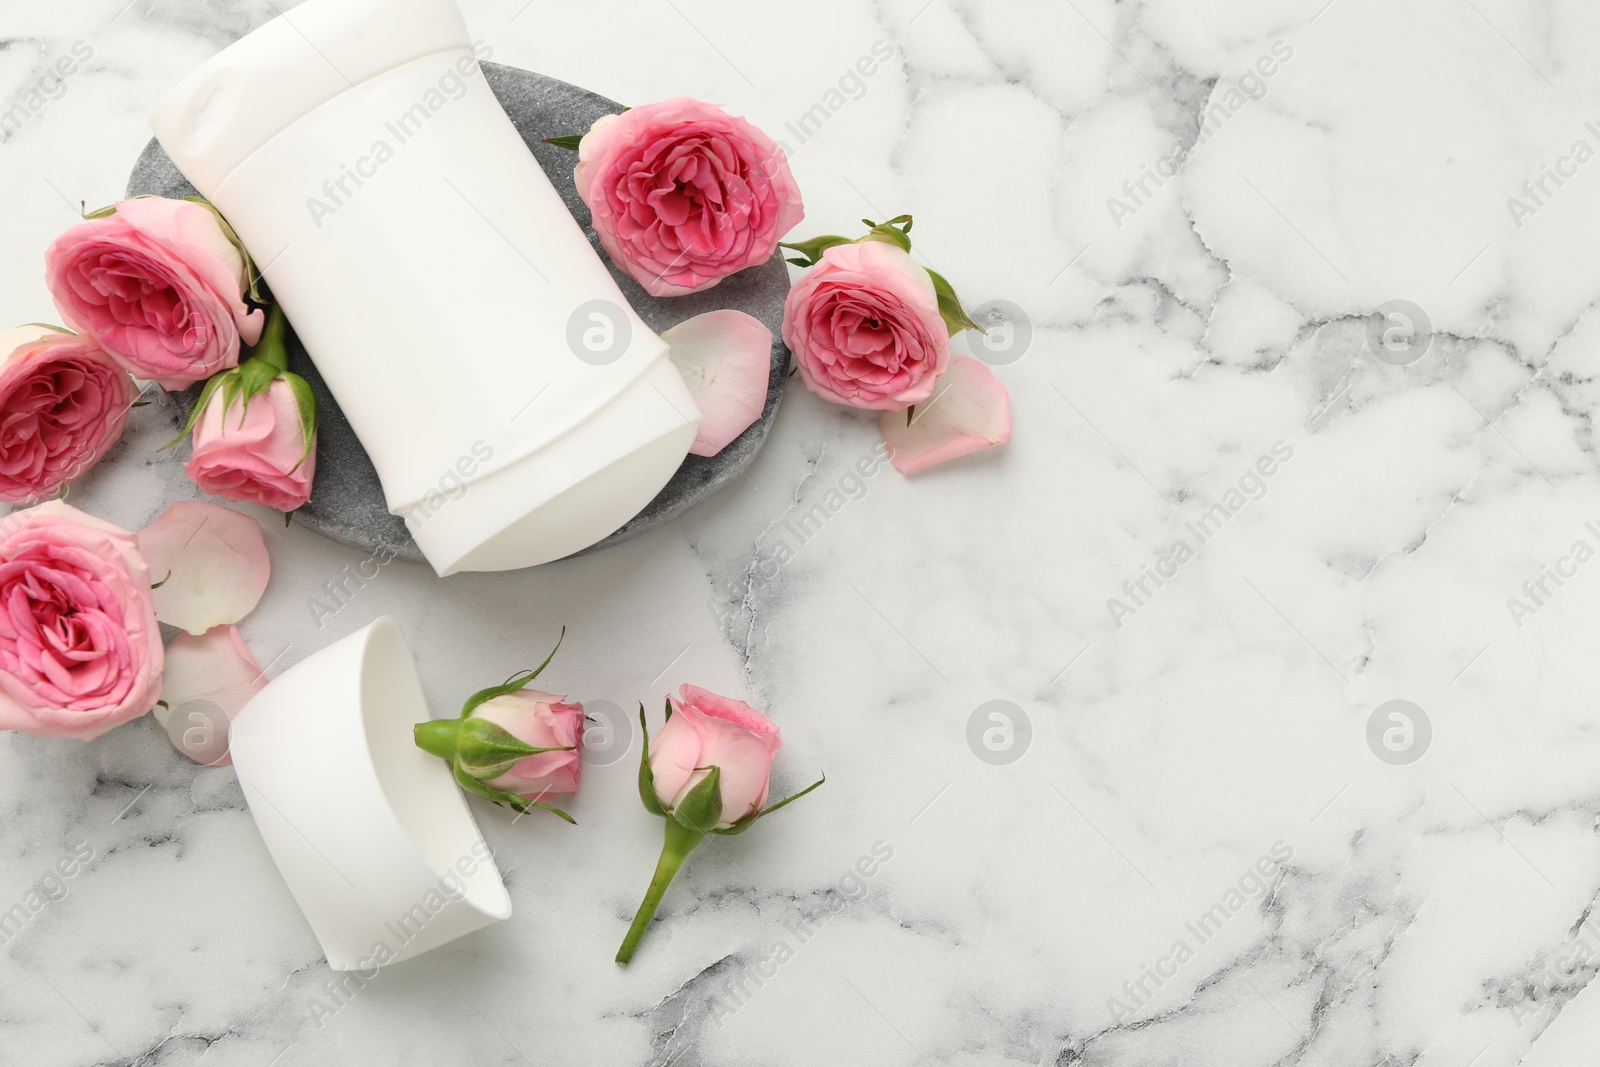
{"x":516,"y":408}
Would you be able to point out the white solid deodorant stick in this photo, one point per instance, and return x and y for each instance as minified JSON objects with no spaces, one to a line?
{"x":436,"y":278}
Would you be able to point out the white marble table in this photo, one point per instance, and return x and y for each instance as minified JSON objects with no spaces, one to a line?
{"x":1197,"y":825}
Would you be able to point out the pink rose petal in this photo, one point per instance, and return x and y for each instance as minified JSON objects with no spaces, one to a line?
{"x":968,"y":412}
{"x":214,"y":560}
{"x":209,"y":680}
{"x":725,"y":358}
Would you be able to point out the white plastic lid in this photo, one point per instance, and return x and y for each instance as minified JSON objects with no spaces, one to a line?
{"x":371,"y":834}
{"x":258,"y":85}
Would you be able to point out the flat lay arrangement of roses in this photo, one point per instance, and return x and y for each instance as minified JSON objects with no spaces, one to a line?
{"x":156,"y":293}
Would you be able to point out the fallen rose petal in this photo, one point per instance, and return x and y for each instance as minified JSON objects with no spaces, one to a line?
{"x":725,"y":358}
{"x":214,"y":562}
{"x":968,"y":412}
{"x":209,"y":680}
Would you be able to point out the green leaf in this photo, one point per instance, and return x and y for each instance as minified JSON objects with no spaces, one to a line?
{"x":889,"y":235}
{"x":955,"y":316}
{"x":701,"y":809}
{"x":569,"y":142}
{"x":812,"y":250}
{"x":647,"y":777}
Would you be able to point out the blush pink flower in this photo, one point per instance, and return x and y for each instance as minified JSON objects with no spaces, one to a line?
{"x":63,"y":404}
{"x":158,"y":285}
{"x":80,"y":651}
{"x":683,"y":194}
{"x":541,"y":720}
{"x":707,"y":771}
{"x":865,"y":328}
{"x":254,"y":449}
{"x":705,"y":731}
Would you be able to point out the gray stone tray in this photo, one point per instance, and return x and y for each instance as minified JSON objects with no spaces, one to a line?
{"x":346,"y":498}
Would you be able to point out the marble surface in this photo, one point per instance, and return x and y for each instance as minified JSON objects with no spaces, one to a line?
{"x":349,"y":505}
{"x":1197,"y":834}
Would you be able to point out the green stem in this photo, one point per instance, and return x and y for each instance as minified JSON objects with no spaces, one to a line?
{"x":680,"y":841}
{"x":271,"y":347}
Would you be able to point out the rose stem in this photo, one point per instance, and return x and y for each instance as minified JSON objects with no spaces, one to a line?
{"x":680,"y":841}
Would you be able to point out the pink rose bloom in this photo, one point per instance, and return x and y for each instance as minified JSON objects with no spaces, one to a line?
{"x":259,"y":457}
{"x":543,"y":721}
{"x":159,"y":286}
{"x":684,"y":194}
{"x":63,"y":403}
{"x":80,"y":651}
{"x":705,"y":731}
{"x":865,"y":328}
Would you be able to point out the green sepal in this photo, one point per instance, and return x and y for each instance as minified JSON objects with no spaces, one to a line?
{"x":254,"y":378}
{"x":570,"y":142}
{"x":212,"y":385}
{"x":512,"y":684}
{"x":49,"y":326}
{"x":162,"y":582}
{"x":812,"y":250}
{"x":252,"y":275}
{"x":701,"y":809}
{"x":305,"y":402}
{"x":897,"y":231}
{"x":520,"y":805}
{"x":955,"y":316}
{"x":488,"y":750}
{"x":749,"y":820}
{"x":647,"y":777}
{"x":101,"y":212}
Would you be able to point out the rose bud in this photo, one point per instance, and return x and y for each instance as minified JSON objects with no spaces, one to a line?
{"x":160,"y":285}
{"x":682,"y":194}
{"x":80,"y":650}
{"x":869,"y":327}
{"x":63,"y":403}
{"x":512,"y":745}
{"x":265,"y":450}
{"x":708,"y":772}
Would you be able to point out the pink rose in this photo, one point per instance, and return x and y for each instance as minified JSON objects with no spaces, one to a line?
{"x":865,"y":328}
{"x":705,"y":731}
{"x":157,"y":284}
{"x":63,"y":403}
{"x":684,"y":194}
{"x":259,"y":455}
{"x":543,"y":721}
{"x":80,"y":651}
{"x":705,"y":735}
